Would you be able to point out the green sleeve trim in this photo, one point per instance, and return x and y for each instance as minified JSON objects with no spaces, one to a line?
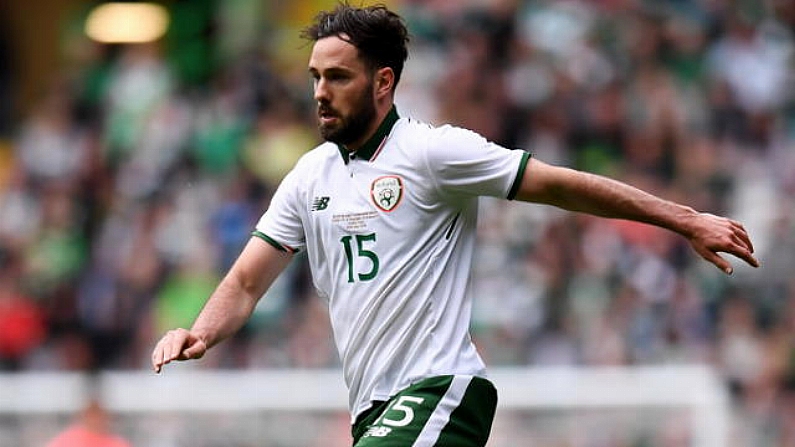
{"x":273,"y":242}
{"x":517,"y":182}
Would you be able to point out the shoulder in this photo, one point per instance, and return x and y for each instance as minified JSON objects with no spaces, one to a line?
{"x":435,"y":138}
{"x":449,"y":143}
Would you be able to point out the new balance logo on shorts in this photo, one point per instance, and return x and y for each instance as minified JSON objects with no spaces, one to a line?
{"x":440,"y":411}
{"x":320,"y":203}
{"x":378,"y":432}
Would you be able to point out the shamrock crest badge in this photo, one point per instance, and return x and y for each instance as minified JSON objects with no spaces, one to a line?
{"x":387,"y":192}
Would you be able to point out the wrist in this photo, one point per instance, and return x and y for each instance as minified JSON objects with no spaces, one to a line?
{"x":204,"y":335}
{"x":685,"y":222}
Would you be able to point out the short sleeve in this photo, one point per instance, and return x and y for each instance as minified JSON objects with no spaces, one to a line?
{"x":281,"y":225}
{"x":464,"y":162}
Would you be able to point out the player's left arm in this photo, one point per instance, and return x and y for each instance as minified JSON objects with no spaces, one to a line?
{"x":594,"y":194}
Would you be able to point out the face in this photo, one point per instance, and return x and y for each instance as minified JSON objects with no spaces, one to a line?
{"x":344,"y":92}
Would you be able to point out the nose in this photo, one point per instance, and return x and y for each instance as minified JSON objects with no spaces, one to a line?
{"x":321,"y":91}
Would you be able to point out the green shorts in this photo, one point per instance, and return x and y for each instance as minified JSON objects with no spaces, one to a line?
{"x":443,"y":411}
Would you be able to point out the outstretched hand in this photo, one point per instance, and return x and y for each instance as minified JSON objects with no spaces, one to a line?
{"x":710,"y":235}
{"x":177,"y":344}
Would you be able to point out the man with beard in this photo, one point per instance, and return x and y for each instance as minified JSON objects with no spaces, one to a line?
{"x":386,"y":211}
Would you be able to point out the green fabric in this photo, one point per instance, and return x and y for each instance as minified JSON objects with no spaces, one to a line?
{"x":411,"y":409}
{"x":270,"y":240}
{"x":470,"y":423}
{"x":370,"y":432}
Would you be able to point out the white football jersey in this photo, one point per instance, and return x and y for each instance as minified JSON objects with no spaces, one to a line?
{"x":390,"y":233}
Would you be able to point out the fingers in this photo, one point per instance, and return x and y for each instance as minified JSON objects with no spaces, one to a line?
{"x":744,"y":251}
{"x":740,"y":244}
{"x":737,"y":243}
{"x":721,"y":235}
{"x":195,"y":351}
{"x":716,"y":259}
{"x":170,"y":348}
{"x":158,"y":359}
{"x":740,"y":231}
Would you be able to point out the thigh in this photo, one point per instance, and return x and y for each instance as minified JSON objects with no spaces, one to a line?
{"x":444,"y":411}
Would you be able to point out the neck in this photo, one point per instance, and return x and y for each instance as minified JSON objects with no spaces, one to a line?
{"x":382,"y":109}
{"x":369,"y":148}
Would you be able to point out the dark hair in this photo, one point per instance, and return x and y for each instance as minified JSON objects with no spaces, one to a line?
{"x":379,"y":34}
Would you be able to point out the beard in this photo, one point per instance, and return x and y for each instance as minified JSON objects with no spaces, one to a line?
{"x":351,"y":128}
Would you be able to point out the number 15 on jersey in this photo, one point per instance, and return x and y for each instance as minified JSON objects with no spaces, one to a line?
{"x":358,"y":261}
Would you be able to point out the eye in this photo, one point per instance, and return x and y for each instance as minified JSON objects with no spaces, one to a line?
{"x":338,"y":76}
{"x":333,"y":76}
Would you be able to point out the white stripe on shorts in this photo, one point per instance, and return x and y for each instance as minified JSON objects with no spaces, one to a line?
{"x":441,"y":414}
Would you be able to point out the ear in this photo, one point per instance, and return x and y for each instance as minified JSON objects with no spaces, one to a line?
{"x":384,"y":81}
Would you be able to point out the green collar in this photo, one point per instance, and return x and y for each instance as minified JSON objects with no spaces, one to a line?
{"x":368,"y":149}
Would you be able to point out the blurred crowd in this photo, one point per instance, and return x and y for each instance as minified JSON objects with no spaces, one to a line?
{"x":131,"y":185}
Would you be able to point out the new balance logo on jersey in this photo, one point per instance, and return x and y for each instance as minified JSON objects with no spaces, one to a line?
{"x":320,"y":203}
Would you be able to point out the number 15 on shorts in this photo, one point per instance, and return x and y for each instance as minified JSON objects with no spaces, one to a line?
{"x":399,"y":414}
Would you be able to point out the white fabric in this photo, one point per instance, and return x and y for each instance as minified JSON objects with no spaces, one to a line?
{"x":411,"y":320}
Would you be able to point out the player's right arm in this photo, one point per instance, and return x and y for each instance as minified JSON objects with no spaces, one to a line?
{"x":229,"y":306}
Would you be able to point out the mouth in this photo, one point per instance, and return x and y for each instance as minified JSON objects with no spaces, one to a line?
{"x":326,"y":115}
